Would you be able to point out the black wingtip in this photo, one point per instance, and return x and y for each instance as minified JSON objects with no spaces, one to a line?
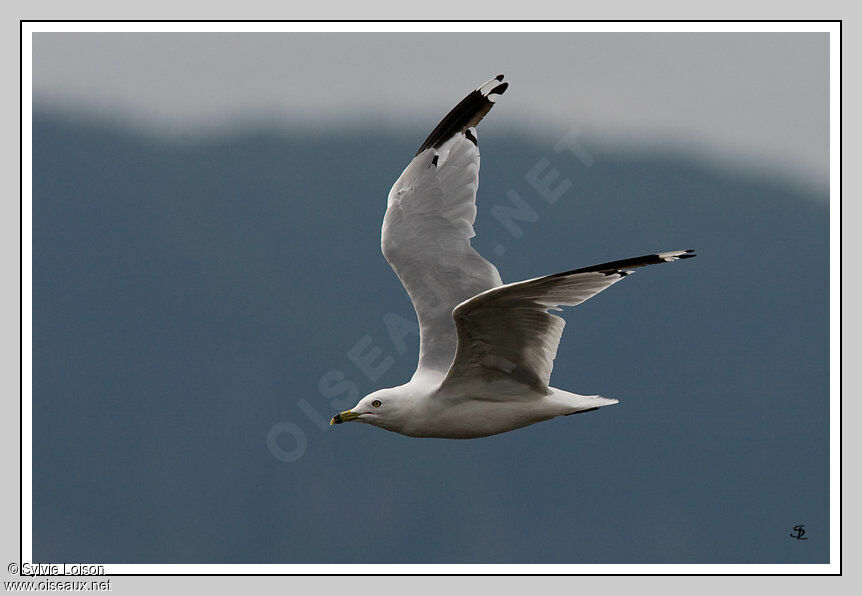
{"x":498,"y":78}
{"x":499,"y":89}
{"x":620,"y":267}
{"x":467,"y":114}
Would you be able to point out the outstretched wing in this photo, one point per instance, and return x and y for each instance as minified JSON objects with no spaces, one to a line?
{"x":508,"y":333}
{"x":429,"y":222}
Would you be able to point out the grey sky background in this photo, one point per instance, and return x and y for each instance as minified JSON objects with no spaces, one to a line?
{"x":753,"y":100}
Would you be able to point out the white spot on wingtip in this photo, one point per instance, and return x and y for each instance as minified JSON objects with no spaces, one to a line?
{"x":487,"y":86}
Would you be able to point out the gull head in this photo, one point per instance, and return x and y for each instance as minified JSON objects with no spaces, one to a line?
{"x":384,"y":408}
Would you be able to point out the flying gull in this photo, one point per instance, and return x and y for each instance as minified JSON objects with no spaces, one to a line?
{"x":486,"y":349}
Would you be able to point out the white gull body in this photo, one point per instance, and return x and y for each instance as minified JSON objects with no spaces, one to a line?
{"x":486,"y":349}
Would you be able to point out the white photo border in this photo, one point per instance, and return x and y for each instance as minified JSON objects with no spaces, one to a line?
{"x":832,"y":27}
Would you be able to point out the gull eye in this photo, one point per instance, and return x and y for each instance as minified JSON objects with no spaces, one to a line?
{"x":376,"y":403}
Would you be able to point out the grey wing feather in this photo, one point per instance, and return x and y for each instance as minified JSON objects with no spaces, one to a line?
{"x":507,"y":332}
{"x":429,"y":222}
{"x":426,"y":239}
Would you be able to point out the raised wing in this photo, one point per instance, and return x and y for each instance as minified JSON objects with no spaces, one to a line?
{"x":508,"y":333}
{"x":429,"y":222}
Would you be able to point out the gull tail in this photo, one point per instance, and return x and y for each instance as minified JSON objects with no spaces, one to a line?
{"x":467,"y":114}
{"x":572,"y":403}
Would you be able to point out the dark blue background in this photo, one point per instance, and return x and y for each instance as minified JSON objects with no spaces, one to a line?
{"x":188,"y":295}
